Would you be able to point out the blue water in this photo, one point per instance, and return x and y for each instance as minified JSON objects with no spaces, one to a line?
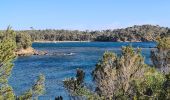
{"x":62,"y":61}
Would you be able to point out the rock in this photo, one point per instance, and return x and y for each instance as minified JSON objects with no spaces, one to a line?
{"x":59,"y":98}
{"x":36,"y":52}
{"x":29,"y":51}
{"x":25,"y":52}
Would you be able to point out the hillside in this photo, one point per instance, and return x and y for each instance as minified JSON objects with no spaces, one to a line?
{"x":135,"y":33}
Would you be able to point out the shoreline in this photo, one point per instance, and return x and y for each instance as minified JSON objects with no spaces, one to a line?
{"x":58,"y":41}
{"x":29,"y":51}
{"x":86,"y":41}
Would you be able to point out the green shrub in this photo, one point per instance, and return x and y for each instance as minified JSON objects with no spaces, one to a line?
{"x":23,"y":40}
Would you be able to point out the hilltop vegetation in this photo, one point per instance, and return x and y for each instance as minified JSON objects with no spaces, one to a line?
{"x":132,"y":34}
{"x":143,"y":33}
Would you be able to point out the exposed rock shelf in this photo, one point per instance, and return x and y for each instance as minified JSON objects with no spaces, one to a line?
{"x":30,"y":51}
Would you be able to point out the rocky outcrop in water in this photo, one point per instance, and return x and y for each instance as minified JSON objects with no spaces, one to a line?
{"x":30,"y":51}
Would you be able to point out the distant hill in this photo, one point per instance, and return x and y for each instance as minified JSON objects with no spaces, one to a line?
{"x":135,"y":33}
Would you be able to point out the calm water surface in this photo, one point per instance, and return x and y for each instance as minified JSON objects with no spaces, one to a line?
{"x":62,"y":61}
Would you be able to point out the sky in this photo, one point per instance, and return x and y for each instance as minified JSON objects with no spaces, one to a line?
{"x":82,"y":14}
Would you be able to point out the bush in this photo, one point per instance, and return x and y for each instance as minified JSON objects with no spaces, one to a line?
{"x":7,"y":56}
{"x":23,"y":41}
{"x":161,"y":56}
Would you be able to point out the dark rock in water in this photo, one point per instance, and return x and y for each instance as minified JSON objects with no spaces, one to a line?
{"x":40,"y":53}
{"x":59,"y":98}
{"x":57,"y":53}
{"x":69,"y":54}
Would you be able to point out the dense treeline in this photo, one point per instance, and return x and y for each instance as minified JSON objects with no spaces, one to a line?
{"x":127,"y":77}
{"x":135,"y":33}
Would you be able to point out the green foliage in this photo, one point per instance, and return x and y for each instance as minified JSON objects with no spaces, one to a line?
{"x":134,"y":33}
{"x":84,"y":92}
{"x":9,"y":34}
{"x":105,"y":75}
{"x":70,"y":84}
{"x":80,"y":76}
{"x":165,"y":93}
{"x":73,"y":83}
{"x":127,"y":77}
{"x":113,"y":74}
{"x":36,"y":90}
{"x":108,"y":58}
{"x":161,"y":56}
{"x":150,"y":86}
{"x":76,"y":87}
{"x":7,"y":47}
{"x":7,"y":55}
{"x":6,"y":92}
{"x":23,"y":41}
{"x":164,"y":43}
{"x":38,"y":87}
{"x":26,"y":96}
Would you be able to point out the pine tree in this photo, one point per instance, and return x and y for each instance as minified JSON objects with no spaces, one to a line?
{"x":38,"y":87}
{"x":36,"y":90}
{"x":7,"y":56}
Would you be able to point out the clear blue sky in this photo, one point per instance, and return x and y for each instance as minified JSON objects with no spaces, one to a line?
{"x":83,"y":14}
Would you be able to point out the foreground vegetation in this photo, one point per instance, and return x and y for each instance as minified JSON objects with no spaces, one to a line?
{"x":127,"y":76}
{"x":8,"y":46}
{"x":23,"y":41}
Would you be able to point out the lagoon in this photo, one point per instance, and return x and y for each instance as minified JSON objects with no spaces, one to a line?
{"x":62,"y":61}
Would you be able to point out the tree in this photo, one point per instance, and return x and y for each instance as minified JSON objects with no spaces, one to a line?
{"x":134,"y":33}
{"x":7,"y":55}
{"x":36,"y":90}
{"x":161,"y":56}
{"x":38,"y":87}
{"x":124,"y":76}
{"x":23,"y":40}
{"x":114,"y":75}
{"x":7,"y":48}
{"x":76,"y":87}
